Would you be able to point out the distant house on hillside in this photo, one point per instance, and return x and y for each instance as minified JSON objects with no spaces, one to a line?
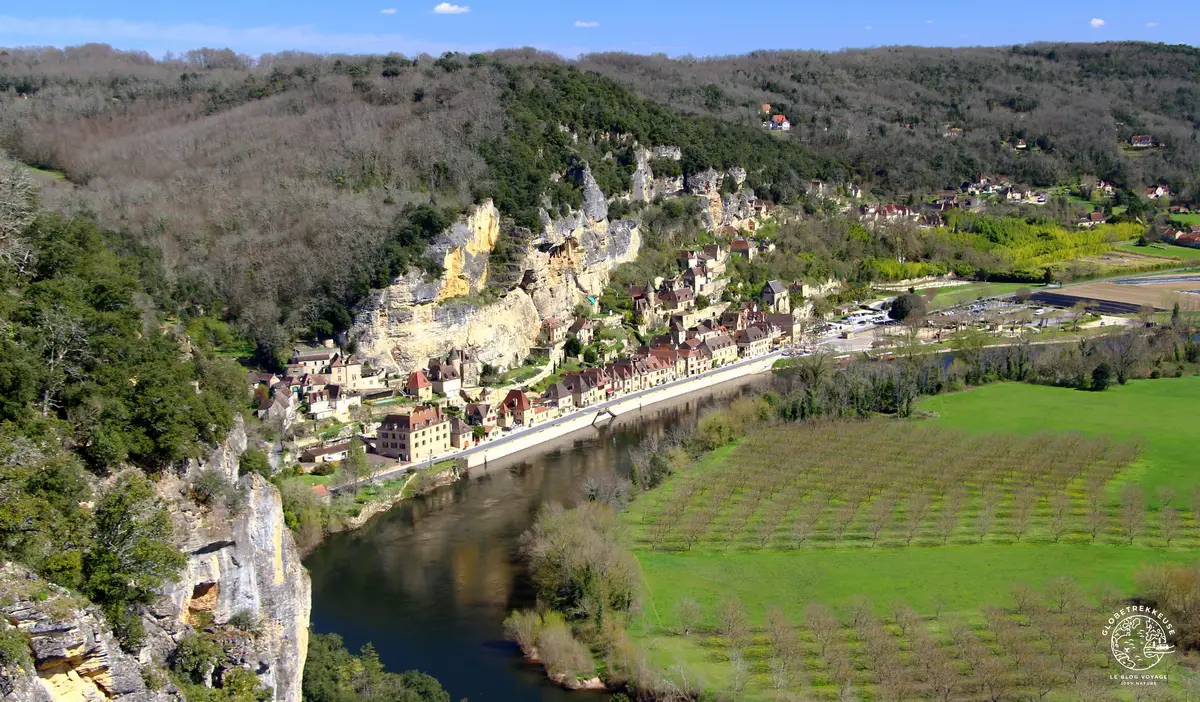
{"x":780,"y":122}
{"x":952,"y":132}
{"x":1141,"y":141}
{"x":766,"y":107}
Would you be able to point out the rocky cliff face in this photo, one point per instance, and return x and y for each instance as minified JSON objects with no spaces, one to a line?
{"x":74,"y":654}
{"x":242,"y":560}
{"x":239,"y":560}
{"x":404,"y":325}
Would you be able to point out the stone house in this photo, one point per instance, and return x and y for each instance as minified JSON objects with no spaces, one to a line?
{"x":674,"y":365}
{"x":554,"y":331}
{"x":581,"y":329}
{"x":559,"y":396}
{"x":721,"y":349}
{"x":744,"y":248}
{"x":775,"y":297}
{"x":316,"y":362}
{"x":282,"y":407}
{"x":466,"y":362}
{"x":683,"y":298}
{"x":694,"y":360}
{"x":413,"y":437}
{"x":418,"y":387}
{"x":584,"y":390}
{"x":480,"y":414}
{"x":326,"y":454}
{"x":462,"y":434}
{"x":345,"y":371}
{"x":752,"y":342}
{"x":518,"y":407}
{"x":446,"y":381}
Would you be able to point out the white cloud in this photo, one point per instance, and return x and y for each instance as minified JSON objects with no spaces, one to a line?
{"x":586,"y":24}
{"x":928,"y":21}
{"x":158,"y":38}
{"x":446,"y":8}
{"x":868,"y":27}
{"x":389,"y":11}
{"x":1096,"y":23}
{"x":1152,"y":25}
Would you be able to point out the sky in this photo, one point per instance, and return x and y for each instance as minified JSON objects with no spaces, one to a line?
{"x":573,"y":27}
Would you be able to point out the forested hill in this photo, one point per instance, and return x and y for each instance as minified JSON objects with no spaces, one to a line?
{"x":281,"y":190}
{"x":886,"y":110}
{"x":278,"y":191}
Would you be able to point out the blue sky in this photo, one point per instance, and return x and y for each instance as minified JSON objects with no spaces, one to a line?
{"x":675,"y":27}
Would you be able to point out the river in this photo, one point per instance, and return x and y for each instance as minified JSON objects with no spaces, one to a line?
{"x":430,"y":582}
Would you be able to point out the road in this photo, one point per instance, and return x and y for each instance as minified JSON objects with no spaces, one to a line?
{"x":597,"y":408}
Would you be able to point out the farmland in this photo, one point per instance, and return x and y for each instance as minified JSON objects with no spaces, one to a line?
{"x":892,"y":558}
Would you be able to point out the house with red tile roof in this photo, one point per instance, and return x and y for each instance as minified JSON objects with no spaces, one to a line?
{"x":418,"y":386}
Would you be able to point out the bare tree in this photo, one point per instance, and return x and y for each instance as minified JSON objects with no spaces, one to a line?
{"x":878,"y":516}
{"x":983,"y":521}
{"x":1165,"y":494}
{"x":1169,"y":524}
{"x":1132,"y":513}
{"x":1022,"y":514}
{"x":1060,"y":508}
{"x":688,"y":614}
{"x":735,"y":625}
{"x":738,"y":676}
{"x":1096,"y":520}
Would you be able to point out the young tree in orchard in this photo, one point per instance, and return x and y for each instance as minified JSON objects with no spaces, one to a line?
{"x":1168,"y":524}
{"x":688,"y":614}
{"x":1132,"y":513}
{"x":735,"y":624}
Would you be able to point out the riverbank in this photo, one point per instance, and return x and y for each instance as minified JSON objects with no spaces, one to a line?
{"x":346,"y":512}
{"x":430,"y":581}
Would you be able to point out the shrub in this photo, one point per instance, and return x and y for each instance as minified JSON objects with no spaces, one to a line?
{"x":14,"y":649}
{"x":522,"y":628}
{"x":254,"y":461}
{"x":195,"y":658}
{"x":564,"y":656}
{"x":211,"y":488}
{"x":323,"y":469}
{"x":1101,"y":377}
{"x":246,"y":620}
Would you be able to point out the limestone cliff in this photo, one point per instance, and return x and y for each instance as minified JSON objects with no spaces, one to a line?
{"x":238,"y":560}
{"x":75,"y":656}
{"x":568,"y":260}
{"x":242,"y":560}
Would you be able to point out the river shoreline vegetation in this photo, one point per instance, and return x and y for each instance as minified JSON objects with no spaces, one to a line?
{"x":827,"y":538}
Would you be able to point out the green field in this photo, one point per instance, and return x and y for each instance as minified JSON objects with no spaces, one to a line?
{"x":948,"y":297}
{"x":955,"y":582}
{"x":1162,"y":413}
{"x":1183,"y":253}
{"x":1187,"y":219}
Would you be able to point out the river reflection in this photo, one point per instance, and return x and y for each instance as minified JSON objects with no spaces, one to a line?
{"x":430,"y":582}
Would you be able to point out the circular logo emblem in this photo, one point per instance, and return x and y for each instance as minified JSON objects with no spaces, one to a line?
{"x":1139,"y":641}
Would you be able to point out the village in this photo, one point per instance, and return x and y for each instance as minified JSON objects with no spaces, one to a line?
{"x":326,"y":398}
{"x":327,"y":402}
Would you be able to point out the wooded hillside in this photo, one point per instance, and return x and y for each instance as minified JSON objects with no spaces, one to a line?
{"x":278,"y":191}
{"x":1076,"y":105}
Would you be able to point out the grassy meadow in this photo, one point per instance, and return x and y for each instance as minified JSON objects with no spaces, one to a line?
{"x":998,"y":489}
